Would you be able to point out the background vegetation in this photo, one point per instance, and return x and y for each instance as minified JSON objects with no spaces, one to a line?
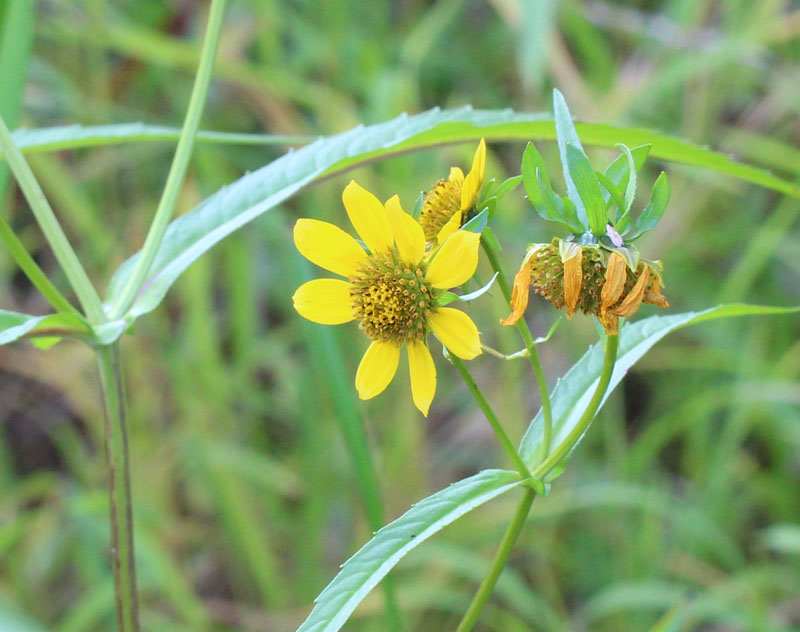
{"x":684,"y":497}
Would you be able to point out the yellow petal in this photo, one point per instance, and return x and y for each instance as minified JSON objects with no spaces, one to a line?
{"x":369,"y":218}
{"x":519,"y":294}
{"x":456,"y":331}
{"x":474,"y":180}
{"x":633,"y":300}
{"x":325,"y":301}
{"x":452,"y":225}
{"x":573,"y":280}
{"x":614,"y":283}
{"x":408,"y":235}
{"x":455,"y":261}
{"x":376,"y":369}
{"x":423,"y":375}
{"x":328,"y":246}
{"x":456,"y":175}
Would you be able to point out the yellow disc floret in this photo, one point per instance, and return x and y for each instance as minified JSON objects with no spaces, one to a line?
{"x":392,"y":300}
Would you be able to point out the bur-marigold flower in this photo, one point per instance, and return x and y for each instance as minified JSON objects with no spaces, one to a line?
{"x":591,"y":278}
{"x":446,"y":206}
{"x":392,"y":290}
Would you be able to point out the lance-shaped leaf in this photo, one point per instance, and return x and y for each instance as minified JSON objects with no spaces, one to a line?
{"x":619,"y":168}
{"x":655,"y":208}
{"x":630,"y":190}
{"x":14,"y":325}
{"x":573,"y":392}
{"x":362,"y":572}
{"x":588,"y":189}
{"x":547,"y":204}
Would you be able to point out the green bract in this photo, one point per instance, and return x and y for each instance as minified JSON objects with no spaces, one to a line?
{"x":598,"y":204}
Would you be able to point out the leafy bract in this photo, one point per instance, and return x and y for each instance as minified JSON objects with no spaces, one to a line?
{"x":376,"y":558}
{"x":652,"y":213}
{"x":191,"y":235}
{"x":572,"y":393}
{"x":588,"y":187}
{"x":566,"y":134}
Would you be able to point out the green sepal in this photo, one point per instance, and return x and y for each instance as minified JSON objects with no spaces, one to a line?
{"x":630,"y":190}
{"x":566,"y":134}
{"x":652,"y":213}
{"x":619,"y":169}
{"x":612,"y":193}
{"x":507,"y":186}
{"x":417,"y":210}
{"x":547,"y":204}
{"x":588,"y":188}
{"x":477,"y":223}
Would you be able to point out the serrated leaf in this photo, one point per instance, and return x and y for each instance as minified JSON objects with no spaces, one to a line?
{"x":588,"y":189}
{"x":14,"y":325}
{"x":655,"y":208}
{"x":567,"y":135}
{"x":573,"y":392}
{"x":362,"y":572}
{"x":232,"y":207}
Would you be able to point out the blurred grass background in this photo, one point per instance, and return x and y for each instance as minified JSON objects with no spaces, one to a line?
{"x":682,"y":503}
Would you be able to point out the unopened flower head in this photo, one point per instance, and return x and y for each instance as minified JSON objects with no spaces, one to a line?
{"x":446,"y":207}
{"x":608,"y":283}
{"x":392,"y":289}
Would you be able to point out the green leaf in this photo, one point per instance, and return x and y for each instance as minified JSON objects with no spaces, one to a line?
{"x":573,"y":392}
{"x":417,"y":210}
{"x":376,"y":558}
{"x":14,"y":325}
{"x":449,"y":297}
{"x":567,"y":135}
{"x":655,"y":209}
{"x":192,"y":234}
{"x":588,"y":189}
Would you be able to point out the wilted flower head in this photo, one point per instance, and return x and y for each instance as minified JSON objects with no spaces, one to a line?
{"x":594,"y":279}
{"x":446,"y":206}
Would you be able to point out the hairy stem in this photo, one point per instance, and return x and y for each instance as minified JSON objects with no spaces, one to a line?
{"x":180,"y":162}
{"x":525,"y":332}
{"x":494,"y":422}
{"x":119,"y":488}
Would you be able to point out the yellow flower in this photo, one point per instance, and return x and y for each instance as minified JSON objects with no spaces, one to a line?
{"x":392,"y":290}
{"x":594,"y":279}
{"x":445,"y":207}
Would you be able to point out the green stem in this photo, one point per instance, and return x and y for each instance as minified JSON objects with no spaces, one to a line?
{"x":612,"y":344}
{"x":31,"y":269}
{"x":119,"y":488}
{"x":498,"y":563}
{"x":180,"y":162}
{"x":52,"y":230}
{"x":494,"y":422}
{"x":513,"y":530}
{"x":541,"y":381}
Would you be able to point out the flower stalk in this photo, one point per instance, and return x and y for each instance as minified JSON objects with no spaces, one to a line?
{"x":119,"y":487}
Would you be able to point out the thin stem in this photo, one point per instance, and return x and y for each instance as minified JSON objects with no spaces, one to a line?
{"x":494,"y":422}
{"x":52,"y":230}
{"x":612,"y":344}
{"x":32,"y":270}
{"x":119,"y":488}
{"x":180,"y":162}
{"x":498,"y":563}
{"x":541,"y":381}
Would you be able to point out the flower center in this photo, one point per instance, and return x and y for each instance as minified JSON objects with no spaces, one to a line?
{"x":392,"y":300}
{"x":438,"y":206}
